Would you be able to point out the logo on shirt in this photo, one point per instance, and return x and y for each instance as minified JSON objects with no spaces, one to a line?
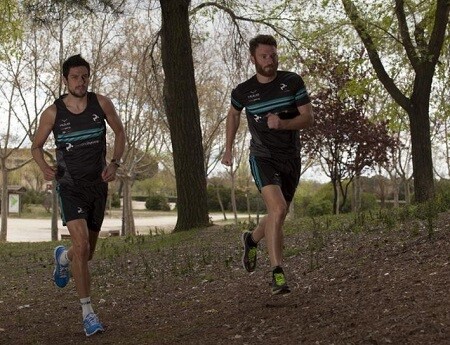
{"x":69,"y":146}
{"x":80,"y":210}
{"x":64,"y":125}
{"x":257,"y":118}
{"x":254,"y":95}
{"x":283,"y":86}
{"x":95,"y":117}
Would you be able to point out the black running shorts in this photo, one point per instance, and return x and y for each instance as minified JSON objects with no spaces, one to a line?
{"x":281,"y":172}
{"x":83,"y":202}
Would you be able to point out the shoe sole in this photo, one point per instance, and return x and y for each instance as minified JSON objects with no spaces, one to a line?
{"x":55,"y":251}
{"x":282,"y":291}
{"x":98,"y":330}
{"x":243,"y":254}
{"x":56,"y":265}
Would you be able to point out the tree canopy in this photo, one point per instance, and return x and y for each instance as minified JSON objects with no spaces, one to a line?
{"x":417,"y":30}
{"x":10,"y":23}
{"x":342,"y":135}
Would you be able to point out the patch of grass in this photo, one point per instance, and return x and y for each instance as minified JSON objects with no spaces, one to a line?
{"x":35,"y":211}
{"x":292,"y":251}
{"x":388,"y":218}
{"x":319,"y":228}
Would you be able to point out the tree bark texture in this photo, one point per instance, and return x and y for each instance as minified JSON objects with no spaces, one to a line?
{"x":55,"y":213}
{"x":181,"y":105}
{"x":128,"y":225}
{"x":4,"y":203}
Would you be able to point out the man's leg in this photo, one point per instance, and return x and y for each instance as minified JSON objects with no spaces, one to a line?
{"x":250,"y":240}
{"x":270,"y":226}
{"x":81,"y":251}
{"x":259,"y":232}
{"x":277,"y":209}
{"x":93,"y":236}
{"x":78,"y":255}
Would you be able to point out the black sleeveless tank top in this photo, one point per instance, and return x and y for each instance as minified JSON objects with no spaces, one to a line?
{"x":80,"y":143}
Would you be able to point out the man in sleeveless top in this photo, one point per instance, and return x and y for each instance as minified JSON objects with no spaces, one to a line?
{"x":277,"y":106}
{"x":78,"y":122}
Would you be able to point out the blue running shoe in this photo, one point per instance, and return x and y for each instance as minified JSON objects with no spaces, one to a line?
{"x":92,"y":325}
{"x":61,"y":273}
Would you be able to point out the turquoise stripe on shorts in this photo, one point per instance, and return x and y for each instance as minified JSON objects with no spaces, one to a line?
{"x":255,"y":172}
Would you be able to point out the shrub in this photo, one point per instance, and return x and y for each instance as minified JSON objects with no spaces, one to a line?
{"x":313,"y":200}
{"x":256,"y":202}
{"x":33,"y":197}
{"x":157,"y":203}
{"x":368,"y":202}
{"x":47,"y":202}
{"x":319,"y":207}
{"x":443,"y":193}
{"x":140,"y":198}
{"x":115,"y":200}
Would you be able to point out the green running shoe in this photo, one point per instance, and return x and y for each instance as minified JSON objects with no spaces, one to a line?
{"x":279,"y":285}
{"x":249,"y":255}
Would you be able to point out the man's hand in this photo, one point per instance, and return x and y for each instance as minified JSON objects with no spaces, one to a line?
{"x":227,"y":159}
{"x":109,"y":174}
{"x":49,"y":172}
{"x":273,"y":121}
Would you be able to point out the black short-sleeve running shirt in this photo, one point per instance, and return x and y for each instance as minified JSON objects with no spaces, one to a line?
{"x":281,"y":96}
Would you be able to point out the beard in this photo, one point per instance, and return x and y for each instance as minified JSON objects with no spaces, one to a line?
{"x":78,"y":92}
{"x":268,"y":71}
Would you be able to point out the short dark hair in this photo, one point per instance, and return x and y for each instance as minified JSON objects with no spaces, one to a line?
{"x":261,"y":39}
{"x":74,"y":61}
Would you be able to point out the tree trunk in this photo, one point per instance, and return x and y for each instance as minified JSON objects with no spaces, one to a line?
{"x":338,"y":200}
{"x":422,"y":160}
{"x":247,"y":195}
{"x":291,"y":211}
{"x":128,"y":226}
{"x":233,"y":197}
{"x":447,"y":148}
{"x":382,"y":191}
{"x":356,"y":200}
{"x":257,"y":211}
{"x":219,"y":199}
{"x":396,"y":198}
{"x":406,"y":184}
{"x":4,"y":215}
{"x":335,"y":197}
{"x":54,"y":221}
{"x":395,"y":186}
{"x":181,"y":104}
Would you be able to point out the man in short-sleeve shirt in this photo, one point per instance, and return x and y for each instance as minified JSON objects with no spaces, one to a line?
{"x":277,"y":106}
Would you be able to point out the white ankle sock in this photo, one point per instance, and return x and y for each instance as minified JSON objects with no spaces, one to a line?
{"x":64,"y":259}
{"x":86,"y":306}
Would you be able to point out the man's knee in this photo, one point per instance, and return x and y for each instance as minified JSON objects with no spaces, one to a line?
{"x":280,"y":211}
{"x":81,"y":249}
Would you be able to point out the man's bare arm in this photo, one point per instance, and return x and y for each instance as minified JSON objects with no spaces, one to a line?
{"x":45,"y":127}
{"x":232,"y":125}
{"x":116,"y":125}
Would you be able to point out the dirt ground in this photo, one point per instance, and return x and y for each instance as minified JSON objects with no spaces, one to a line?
{"x":369,"y":287}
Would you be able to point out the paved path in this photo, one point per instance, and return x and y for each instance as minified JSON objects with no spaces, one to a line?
{"x":39,"y":230}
